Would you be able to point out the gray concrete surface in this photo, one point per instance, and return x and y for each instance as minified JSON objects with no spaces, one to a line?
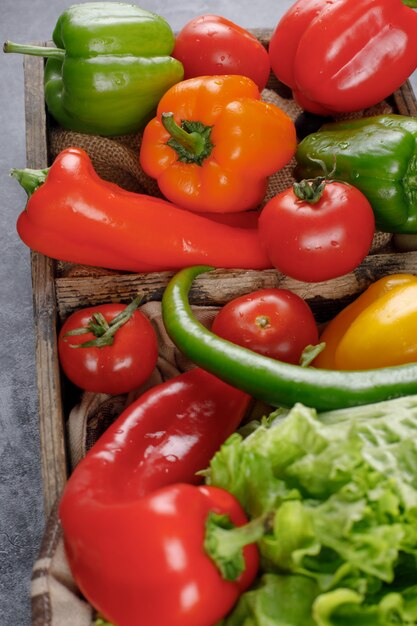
{"x":21,"y":514}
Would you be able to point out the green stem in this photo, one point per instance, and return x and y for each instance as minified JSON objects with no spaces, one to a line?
{"x":224,"y":542}
{"x":410,"y":3}
{"x":30,"y":179}
{"x":191,"y":140}
{"x":37,"y":51}
{"x":104,"y":331}
{"x":310,"y":190}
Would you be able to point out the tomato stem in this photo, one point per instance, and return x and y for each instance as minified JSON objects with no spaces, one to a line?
{"x":191,"y":140}
{"x":104,"y":331}
{"x":311,"y":189}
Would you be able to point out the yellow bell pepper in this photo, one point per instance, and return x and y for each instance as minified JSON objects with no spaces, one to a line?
{"x":378,"y":329}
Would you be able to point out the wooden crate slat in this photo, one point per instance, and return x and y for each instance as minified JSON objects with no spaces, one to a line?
{"x":405,"y":100}
{"x":51,"y":416}
{"x":219,"y":286}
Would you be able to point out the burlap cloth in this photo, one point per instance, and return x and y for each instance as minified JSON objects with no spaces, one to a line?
{"x":55,"y":598}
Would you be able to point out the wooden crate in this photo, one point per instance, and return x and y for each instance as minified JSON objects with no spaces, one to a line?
{"x":56,"y":294}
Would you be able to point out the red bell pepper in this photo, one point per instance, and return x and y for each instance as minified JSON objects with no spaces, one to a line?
{"x":73,"y":215}
{"x":135,"y":531}
{"x":344,"y":55}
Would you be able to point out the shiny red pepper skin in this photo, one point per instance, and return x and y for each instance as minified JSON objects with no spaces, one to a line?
{"x":344,"y":55}
{"x":76,"y":216}
{"x":142,"y":561}
{"x":123,"y":550}
{"x":167,"y":435}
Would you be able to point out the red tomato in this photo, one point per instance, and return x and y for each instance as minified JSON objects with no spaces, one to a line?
{"x":320,"y":241}
{"x":274,"y":322}
{"x":210,"y":45}
{"x":116,"y":368}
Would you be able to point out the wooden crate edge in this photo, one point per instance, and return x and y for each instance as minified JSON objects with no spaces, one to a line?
{"x":51,"y":418}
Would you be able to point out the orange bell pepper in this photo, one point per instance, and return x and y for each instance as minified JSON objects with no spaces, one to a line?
{"x":74,"y":215}
{"x":213,"y":144}
{"x":378,"y":329}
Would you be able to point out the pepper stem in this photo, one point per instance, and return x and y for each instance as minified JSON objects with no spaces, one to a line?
{"x":410,"y":3}
{"x":224,"y":542}
{"x":30,"y":179}
{"x":191,"y":140}
{"x":37,"y":51}
{"x":310,"y":352}
{"x":104,"y":331}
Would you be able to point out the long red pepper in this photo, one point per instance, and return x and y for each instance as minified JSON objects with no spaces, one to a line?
{"x":134,"y":530}
{"x":73,"y":215}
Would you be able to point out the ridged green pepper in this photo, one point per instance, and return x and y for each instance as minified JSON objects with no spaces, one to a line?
{"x":110,"y":68}
{"x":378,"y":155}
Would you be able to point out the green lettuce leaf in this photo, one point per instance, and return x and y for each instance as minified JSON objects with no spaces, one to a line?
{"x":343,"y":488}
{"x":292,"y":600}
{"x":276,"y":601}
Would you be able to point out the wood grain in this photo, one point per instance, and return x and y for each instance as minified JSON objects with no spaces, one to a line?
{"x":219,"y":286}
{"x":405,"y":100}
{"x":51,"y":414}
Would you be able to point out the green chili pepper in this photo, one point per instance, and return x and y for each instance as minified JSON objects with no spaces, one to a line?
{"x":378,"y":155}
{"x":275,"y":382}
{"x":110,"y":68}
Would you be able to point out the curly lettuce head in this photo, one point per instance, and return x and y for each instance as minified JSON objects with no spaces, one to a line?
{"x":343,"y":486}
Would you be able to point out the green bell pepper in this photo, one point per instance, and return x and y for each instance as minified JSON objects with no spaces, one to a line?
{"x":378,"y":155}
{"x":110,"y":67}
